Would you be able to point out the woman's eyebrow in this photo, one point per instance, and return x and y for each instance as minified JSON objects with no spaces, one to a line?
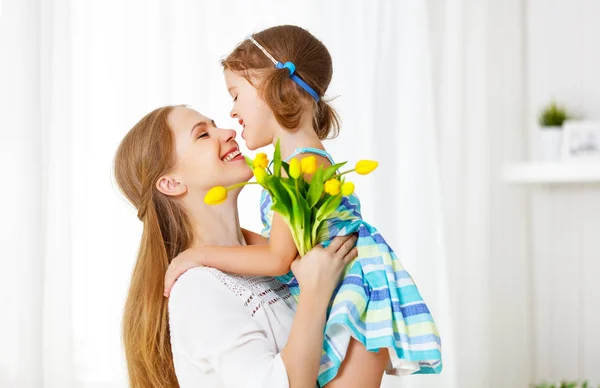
{"x":202,"y":124}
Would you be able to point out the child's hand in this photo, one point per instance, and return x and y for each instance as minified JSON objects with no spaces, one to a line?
{"x":187,"y":259}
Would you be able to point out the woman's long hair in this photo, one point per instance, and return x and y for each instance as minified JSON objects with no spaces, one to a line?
{"x":146,"y":153}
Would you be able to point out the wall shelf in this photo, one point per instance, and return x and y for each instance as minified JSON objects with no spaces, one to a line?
{"x":561,"y":172}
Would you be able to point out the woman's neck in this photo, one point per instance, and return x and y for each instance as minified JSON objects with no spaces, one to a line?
{"x":216,"y":225}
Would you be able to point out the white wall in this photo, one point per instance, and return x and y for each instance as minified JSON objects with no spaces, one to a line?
{"x":563,"y":54}
{"x":563,"y":62}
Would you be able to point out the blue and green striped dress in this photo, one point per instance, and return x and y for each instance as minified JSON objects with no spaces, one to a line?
{"x":377,"y":302}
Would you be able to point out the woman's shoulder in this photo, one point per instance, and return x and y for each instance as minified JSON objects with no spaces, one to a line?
{"x":198,"y":286}
{"x":214,"y":287}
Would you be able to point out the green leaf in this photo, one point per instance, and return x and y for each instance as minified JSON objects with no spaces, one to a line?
{"x":331,"y":170}
{"x":553,"y":116}
{"x":300,"y":223}
{"x":323,"y":212}
{"x":315,"y":189}
{"x":277,"y":160}
{"x":328,"y":207}
{"x":282,"y":203}
{"x":297,"y":208}
{"x":286,"y":167}
{"x":249,"y":162}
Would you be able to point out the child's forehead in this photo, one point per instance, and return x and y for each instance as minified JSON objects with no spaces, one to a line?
{"x":239,"y":79}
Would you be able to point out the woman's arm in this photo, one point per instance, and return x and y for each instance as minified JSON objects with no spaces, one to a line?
{"x":318,"y":274}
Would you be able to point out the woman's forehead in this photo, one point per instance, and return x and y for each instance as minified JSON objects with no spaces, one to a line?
{"x":183,"y":117}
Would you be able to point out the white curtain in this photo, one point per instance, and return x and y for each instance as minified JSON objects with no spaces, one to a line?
{"x":433,"y":90}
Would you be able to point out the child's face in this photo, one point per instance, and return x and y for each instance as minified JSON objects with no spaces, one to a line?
{"x":252,"y":112}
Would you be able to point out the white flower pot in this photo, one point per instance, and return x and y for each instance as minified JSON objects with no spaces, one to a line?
{"x":549,"y":142}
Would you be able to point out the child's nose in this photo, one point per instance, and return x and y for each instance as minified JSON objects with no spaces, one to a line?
{"x":233,"y":113}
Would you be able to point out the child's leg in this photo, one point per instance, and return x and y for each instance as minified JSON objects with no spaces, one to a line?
{"x":360,"y":368}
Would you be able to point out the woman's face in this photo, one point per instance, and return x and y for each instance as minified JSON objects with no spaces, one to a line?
{"x":207,"y":156}
{"x":252,"y":112}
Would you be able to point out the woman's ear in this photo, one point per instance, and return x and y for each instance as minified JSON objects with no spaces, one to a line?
{"x":170,"y":186}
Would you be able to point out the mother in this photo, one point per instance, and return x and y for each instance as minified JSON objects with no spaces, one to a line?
{"x":216,"y":330}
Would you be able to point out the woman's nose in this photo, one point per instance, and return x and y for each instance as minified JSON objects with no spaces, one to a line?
{"x":228,"y":135}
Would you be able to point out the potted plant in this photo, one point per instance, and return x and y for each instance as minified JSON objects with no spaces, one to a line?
{"x":565,"y":384}
{"x":551,"y":119}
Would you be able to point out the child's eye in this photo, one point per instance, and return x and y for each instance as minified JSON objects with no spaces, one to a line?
{"x":235,"y":99}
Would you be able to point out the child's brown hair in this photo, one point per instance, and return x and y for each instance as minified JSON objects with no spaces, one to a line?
{"x":286,"y":98}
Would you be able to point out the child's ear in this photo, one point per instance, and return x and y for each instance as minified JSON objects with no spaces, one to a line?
{"x":170,"y":186}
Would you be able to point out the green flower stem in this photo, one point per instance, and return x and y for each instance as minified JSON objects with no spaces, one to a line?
{"x":241,"y":184}
{"x":343,"y":173}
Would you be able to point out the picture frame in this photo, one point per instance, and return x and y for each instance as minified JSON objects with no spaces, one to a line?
{"x":581,"y":140}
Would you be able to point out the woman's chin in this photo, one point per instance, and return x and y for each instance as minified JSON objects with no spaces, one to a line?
{"x":243,"y":175}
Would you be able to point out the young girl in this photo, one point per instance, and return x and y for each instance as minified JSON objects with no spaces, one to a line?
{"x":377,"y":319}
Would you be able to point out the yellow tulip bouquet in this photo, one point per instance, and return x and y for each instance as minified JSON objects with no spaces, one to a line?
{"x":304,"y":206}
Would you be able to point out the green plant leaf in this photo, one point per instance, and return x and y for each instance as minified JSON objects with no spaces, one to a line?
{"x":553,"y":116}
{"x":249,"y":162}
{"x":328,"y":207}
{"x":331,"y":170}
{"x":286,"y":167}
{"x":298,"y":206}
{"x":300,"y":225}
{"x":315,"y":189}
{"x":282,"y":203}
{"x":277,"y":160}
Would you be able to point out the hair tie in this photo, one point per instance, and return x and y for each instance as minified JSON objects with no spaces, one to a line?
{"x":142,"y":212}
{"x":288,"y":65}
{"x":291,"y":68}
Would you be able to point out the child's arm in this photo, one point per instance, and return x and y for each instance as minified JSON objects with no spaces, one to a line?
{"x":254,"y":238}
{"x":273,"y":258}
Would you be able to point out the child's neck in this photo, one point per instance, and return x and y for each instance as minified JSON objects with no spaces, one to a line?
{"x":301,"y":137}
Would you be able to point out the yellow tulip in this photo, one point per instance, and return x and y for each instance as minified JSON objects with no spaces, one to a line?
{"x":347,"y":188}
{"x":260,"y":174}
{"x":363,"y":167}
{"x":261,"y":161}
{"x":309,"y":165}
{"x":295,"y":168}
{"x":216,"y":195}
{"x":332,"y":187}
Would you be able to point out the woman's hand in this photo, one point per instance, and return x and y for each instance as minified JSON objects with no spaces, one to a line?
{"x":319,"y":271}
{"x":187,"y":259}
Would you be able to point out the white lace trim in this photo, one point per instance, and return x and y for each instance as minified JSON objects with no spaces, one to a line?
{"x":253,"y":291}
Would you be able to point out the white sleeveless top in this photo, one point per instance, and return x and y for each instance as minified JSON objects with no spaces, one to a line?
{"x":228,"y":330}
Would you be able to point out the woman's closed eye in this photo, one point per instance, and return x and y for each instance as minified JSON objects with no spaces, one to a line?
{"x":203,"y":134}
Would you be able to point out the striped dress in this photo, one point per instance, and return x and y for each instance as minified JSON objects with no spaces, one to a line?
{"x":377,"y":302}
